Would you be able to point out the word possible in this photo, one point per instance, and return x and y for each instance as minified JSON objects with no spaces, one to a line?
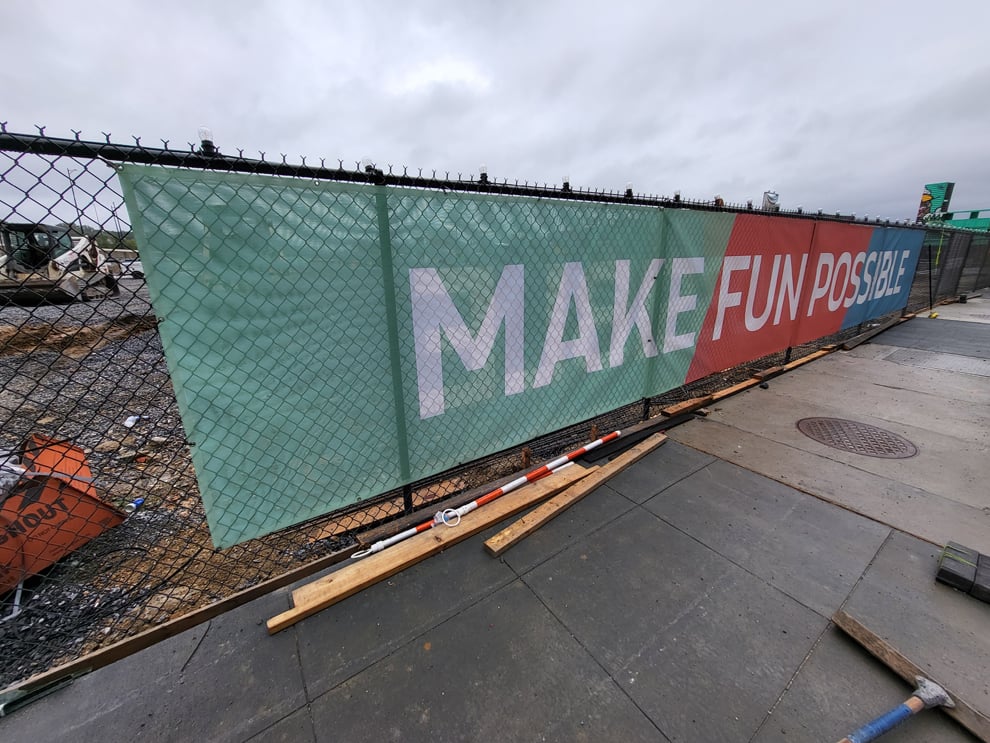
{"x":841,"y":281}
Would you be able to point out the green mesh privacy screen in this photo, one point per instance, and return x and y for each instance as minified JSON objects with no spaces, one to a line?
{"x":330,"y":342}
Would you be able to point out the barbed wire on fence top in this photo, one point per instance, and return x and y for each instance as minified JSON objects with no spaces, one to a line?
{"x":366,"y":171}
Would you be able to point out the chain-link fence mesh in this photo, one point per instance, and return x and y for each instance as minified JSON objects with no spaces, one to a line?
{"x":92,"y":425}
{"x":952,"y":262}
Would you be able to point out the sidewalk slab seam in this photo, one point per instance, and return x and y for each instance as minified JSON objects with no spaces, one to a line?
{"x":511,"y":637}
{"x":774,"y":532}
{"x":821,"y":637}
{"x":661,"y":634}
{"x":887,"y":498}
{"x":384,"y":617}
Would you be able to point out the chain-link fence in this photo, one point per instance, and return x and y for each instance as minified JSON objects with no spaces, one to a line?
{"x":952,"y":263}
{"x":104,"y":529}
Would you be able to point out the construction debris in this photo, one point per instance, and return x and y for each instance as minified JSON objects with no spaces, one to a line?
{"x":50,"y":511}
{"x":688,"y":406}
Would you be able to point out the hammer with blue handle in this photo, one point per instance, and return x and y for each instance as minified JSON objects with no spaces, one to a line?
{"x":928,"y":694}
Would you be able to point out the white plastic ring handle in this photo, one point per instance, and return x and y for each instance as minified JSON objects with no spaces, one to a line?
{"x":447,"y":520}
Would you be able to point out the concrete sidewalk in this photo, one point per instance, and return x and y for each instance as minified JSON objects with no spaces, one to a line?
{"x":686,"y":600}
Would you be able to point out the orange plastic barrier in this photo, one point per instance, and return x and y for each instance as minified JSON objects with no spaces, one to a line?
{"x":51,"y":512}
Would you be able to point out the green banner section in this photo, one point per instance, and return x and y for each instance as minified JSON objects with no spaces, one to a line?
{"x":269,"y":295}
{"x":506,"y":312}
{"x":330,"y":342}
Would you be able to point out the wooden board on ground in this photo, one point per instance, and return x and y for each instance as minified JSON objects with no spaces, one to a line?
{"x":974,"y":721}
{"x":318,"y":595}
{"x":729,"y":391}
{"x":773,"y":371}
{"x":687,"y":406}
{"x":368,"y":538}
{"x":805,"y":359}
{"x":549,"y":510}
{"x":420,"y":497}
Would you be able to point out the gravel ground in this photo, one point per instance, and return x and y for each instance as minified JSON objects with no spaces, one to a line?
{"x":133,"y":300}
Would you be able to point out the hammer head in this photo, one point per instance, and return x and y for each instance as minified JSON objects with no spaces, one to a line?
{"x":932,"y":694}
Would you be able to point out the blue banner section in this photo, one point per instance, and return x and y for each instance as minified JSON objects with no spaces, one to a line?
{"x":885,"y":273}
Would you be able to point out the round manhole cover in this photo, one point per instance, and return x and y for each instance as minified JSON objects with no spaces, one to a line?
{"x":856,"y":437}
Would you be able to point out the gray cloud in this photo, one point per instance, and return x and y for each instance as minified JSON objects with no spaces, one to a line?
{"x":841,"y":105}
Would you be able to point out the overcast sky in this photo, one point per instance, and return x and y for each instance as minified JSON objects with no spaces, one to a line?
{"x":849,"y":106}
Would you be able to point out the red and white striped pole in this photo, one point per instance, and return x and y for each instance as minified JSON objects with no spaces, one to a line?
{"x":452,"y":516}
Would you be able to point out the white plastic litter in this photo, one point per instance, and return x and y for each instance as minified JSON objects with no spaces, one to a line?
{"x":10,"y":471}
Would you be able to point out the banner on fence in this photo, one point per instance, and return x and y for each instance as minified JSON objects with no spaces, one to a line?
{"x":330,"y":342}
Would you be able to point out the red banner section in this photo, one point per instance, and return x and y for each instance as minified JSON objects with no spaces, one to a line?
{"x":838,"y":253}
{"x":782,"y":283}
{"x":759,"y":294}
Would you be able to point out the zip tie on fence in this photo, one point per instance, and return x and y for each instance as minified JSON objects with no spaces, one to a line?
{"x":452,"y":516}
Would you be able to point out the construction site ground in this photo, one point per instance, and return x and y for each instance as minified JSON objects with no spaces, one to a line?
{"x":688,"y":599}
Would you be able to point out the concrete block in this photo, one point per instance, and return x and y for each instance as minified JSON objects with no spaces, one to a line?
{"x":981,"y":586}
{"x":957,"y":566}
{"x":962,"y":551}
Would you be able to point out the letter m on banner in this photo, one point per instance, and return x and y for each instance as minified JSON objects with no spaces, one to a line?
{"x":435,"y":316}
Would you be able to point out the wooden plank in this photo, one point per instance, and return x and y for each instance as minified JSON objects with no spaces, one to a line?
{"x":368,"y":538}
{"x":337,"y":586}
{"x":729,"y":391}
{"x":687,"y":406}
{"x":805,"y":359}
{"x":552,"y":508}
{"x":374,"y":568}
{"x":773,"y":371}
{"x":970,"y":718}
